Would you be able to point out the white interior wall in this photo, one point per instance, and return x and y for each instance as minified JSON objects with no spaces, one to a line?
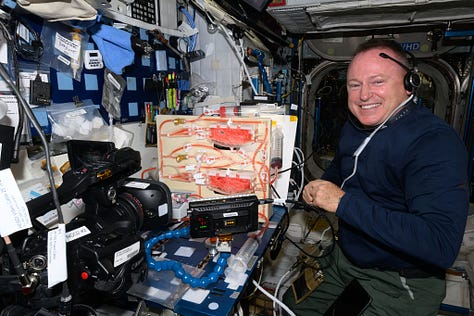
{"x":220,"y":66}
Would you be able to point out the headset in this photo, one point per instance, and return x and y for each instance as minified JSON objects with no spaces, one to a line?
{"x":412,"y":79}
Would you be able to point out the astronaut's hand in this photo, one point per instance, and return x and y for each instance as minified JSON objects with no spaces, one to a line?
{"x":323,"y":194}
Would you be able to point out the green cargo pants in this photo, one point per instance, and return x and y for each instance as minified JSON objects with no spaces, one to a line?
{"x":391,"y":294}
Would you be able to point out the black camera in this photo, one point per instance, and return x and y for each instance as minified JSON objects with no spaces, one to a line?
{"x":105,"y":253}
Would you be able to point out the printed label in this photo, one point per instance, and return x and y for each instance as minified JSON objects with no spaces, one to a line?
{"x":126,"y":254}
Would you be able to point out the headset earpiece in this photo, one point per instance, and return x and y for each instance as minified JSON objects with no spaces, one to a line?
{"x":412,"y":80}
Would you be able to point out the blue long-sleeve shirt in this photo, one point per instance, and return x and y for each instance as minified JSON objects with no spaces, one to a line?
{"x":406,"y":206}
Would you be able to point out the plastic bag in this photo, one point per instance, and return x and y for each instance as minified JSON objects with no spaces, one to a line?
{"x":64,"y":48}
{"x":114,"y":85}
{"x":78,"y":123}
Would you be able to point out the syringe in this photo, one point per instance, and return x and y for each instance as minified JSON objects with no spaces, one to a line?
{"x":239,"y":263}
{"x":76,"y":62}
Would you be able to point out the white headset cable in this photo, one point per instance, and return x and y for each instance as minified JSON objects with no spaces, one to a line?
{"x":362,"y":146}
